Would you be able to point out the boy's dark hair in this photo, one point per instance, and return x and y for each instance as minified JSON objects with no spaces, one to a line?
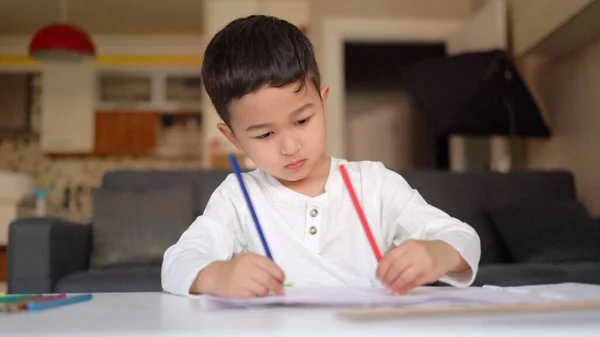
{"x":252,"y":52}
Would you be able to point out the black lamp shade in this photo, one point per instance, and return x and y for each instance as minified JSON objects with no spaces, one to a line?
{"x":474,"y":94}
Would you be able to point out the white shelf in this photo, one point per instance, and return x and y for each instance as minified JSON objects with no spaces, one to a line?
{"x":163,"y":91}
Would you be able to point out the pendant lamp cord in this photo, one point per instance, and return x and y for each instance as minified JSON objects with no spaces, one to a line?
{"x":63,"y":10}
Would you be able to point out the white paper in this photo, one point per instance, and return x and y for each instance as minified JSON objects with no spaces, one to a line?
{"x":561,"y":291}
{"x":437,"y":297}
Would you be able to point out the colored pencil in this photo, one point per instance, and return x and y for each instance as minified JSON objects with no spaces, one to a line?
{"x":22,"y":305}
{"x":360,"y":212}
{"x":238,"y":173}
{"x":17,"y":303}
{"x":15,"y":298}
{"x":54,"y":303}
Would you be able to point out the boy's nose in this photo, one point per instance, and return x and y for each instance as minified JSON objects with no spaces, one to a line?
{"x":289,"y":146}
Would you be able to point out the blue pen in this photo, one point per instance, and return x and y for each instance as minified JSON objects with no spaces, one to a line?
{"x":36,"y":306}
{"x":238,"y":173}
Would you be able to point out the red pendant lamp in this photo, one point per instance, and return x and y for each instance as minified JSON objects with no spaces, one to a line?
{"x":61,"y":41}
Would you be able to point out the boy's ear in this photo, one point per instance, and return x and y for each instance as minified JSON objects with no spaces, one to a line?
{"x":226,"y":131}
{"x":324,"y":93}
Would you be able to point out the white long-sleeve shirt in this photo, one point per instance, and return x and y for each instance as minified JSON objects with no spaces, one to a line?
{"x":317,"y":241}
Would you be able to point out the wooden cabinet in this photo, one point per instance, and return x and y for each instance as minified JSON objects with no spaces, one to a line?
{"x":3,"y":263}
{"x":126,"y":133}
{"x":15,"y":103}
{"x":67,"y":103}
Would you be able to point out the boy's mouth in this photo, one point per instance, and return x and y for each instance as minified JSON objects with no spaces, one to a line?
{"x":296,"y":165}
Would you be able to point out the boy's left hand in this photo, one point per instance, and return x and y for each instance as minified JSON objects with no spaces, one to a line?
{"x":415,"y":263}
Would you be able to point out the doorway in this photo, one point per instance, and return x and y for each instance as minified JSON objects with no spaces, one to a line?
{"x":383,"y":123}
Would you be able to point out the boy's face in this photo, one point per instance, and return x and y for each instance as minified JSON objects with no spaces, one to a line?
{"x":282,"y":131}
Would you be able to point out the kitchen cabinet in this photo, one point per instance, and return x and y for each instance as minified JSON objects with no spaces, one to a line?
{"x":126,"y":133}
{"x":163,"y":90}
{"x":15,"y":103}
{"x":3,"y":263}
{"x":67,"y":103}
{"x":88,"y":111}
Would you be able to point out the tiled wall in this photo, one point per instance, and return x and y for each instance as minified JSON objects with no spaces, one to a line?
{"x":57,"y":174}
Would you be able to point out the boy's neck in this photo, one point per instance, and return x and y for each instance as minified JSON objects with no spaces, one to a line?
{"x":314,"y":184}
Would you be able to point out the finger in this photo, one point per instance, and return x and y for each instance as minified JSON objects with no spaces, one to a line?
{"x":405,"y":289}
{"x":387,"y":261}
{"x":397,"y":267}
{"x":256,"y":287}
{"x":405,"y":280}
{"x":269,"y":282}
{"x":270,"y":267}
{"x":419,"y":281}
{"x":425,"y":278}
{"x":241,"y":293}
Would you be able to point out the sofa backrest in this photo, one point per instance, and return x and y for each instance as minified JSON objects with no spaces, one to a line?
{"x":467,"y":196}
{"x":204,"y":182}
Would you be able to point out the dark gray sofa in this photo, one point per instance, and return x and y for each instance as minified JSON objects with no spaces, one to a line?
{"x":53,"y":255}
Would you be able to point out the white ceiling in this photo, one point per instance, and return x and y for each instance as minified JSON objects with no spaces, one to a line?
{"x":19,"y":17}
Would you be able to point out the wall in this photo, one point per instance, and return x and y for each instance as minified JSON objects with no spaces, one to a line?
{"x":338,"y":29}
{"x":529,"y":28}
{"x":383,"y":125}
{"x":319,"y":9}
{"x":568,"y":90}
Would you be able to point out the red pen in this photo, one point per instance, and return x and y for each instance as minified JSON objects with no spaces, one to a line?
{"x":360,"y":212}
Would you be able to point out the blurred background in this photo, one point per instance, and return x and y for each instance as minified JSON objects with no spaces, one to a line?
{"x":451,"y":85}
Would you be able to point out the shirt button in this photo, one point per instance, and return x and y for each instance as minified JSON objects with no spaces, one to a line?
{"x":314,"y":212}
{"x":312,"y":230}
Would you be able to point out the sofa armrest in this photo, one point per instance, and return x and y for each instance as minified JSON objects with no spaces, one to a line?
{"x":43,"y":250}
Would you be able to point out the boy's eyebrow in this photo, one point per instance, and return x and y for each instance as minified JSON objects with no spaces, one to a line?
{"x":258,"y":126}
{"x":302,"y":108}
{"x":266,"y":125}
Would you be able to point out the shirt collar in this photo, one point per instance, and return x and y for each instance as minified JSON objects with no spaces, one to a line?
{"x":284,"y":194}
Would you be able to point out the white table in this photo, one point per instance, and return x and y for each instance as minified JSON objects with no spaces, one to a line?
{"x":152,"y":314}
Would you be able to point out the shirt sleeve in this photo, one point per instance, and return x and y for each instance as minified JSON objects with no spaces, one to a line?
{"x":213,"y":236}
{"x":411,"y":217}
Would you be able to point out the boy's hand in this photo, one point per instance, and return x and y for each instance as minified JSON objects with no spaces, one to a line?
{"x":248,"y":275}
{"x":415,"y":263}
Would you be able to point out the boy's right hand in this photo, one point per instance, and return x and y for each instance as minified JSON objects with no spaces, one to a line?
{"x":247,"y":275}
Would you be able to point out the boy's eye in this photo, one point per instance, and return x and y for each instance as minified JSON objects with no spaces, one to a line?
{"x":303,"y":121}
{"x":264,"y":136}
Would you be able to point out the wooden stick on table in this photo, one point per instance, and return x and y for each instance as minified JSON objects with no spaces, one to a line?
{"x":478,"y":309}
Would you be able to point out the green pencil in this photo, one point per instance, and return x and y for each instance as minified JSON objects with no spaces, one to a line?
{"x":15,"y":298}
{"x":17,"y":302}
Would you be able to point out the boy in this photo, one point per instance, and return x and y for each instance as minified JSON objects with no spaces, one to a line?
{"x":261,"y":75}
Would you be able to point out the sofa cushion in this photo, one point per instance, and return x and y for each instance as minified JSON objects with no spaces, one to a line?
{"x":518,"y":274}
{"x":203,"y":182}
{"x":138,"y":226}
{"x":121,"y":279}
{"x":463,"y":196}
{"x":548,"y":232}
